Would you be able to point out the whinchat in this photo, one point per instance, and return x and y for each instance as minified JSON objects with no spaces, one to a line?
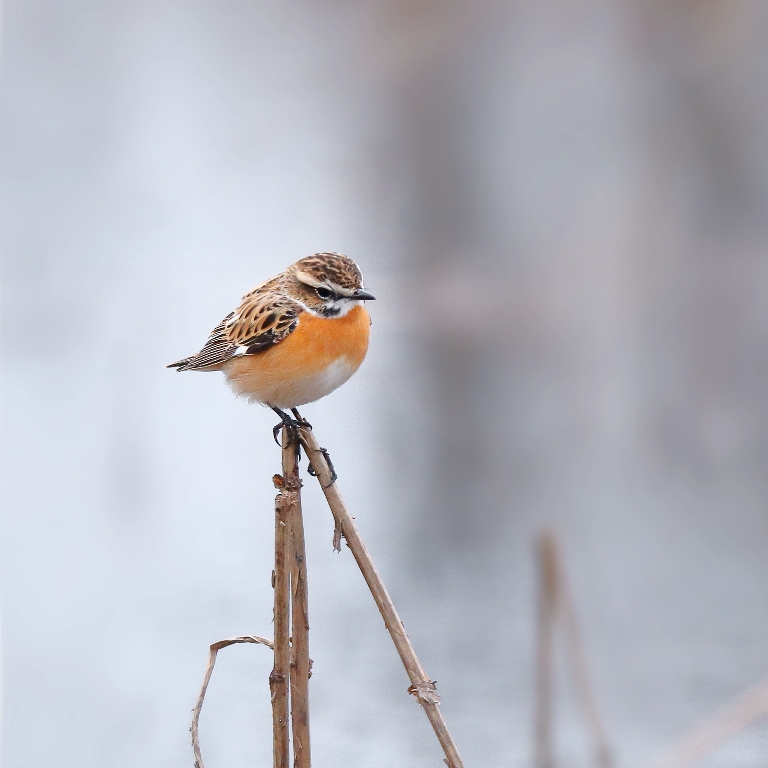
{"x":295,"y":338}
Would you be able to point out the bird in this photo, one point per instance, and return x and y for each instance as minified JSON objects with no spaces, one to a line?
{"x":295,"y":338}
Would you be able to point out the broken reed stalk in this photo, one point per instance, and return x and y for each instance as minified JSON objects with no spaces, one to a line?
{"x":280,"y":676}
{"x":421,"y":686}
{"x":555,"y":601}
{"x":214,"y":650}
{"x":300,"y":664}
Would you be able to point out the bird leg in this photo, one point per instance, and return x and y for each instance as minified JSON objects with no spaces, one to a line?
{"x":301,"y":421}
{"x":291,"y":426}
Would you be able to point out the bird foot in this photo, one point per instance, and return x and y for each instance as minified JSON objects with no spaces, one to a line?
{"x":327,"y":456}
{"x":292,"y":426}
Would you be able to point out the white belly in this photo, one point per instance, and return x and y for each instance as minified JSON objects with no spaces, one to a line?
{"x":283,"y":393}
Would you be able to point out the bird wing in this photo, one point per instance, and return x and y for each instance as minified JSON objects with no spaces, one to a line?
{"x":261,"y":321}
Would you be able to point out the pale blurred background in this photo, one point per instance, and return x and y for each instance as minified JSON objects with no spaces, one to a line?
{"x":562,"y":208}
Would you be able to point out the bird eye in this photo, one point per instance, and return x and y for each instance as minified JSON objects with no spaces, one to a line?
{"x":324,"y":293}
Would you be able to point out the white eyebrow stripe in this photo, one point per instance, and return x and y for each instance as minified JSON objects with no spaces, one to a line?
{"x":307,"y":279}
{"x":345,"y":292}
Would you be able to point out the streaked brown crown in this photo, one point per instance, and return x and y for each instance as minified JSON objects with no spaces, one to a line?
{"x":332,"y":269}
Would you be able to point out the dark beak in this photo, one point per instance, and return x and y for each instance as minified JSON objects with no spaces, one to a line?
{"x":363,"y":295}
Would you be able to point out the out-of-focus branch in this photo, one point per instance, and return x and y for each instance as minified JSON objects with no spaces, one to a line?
{"x":706,"y":737}
{"x":580,"y":667}
{"x":547,"y":609}
{"x":555,"y":601}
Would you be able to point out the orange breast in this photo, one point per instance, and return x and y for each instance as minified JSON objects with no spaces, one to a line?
{"x":320,"y":355}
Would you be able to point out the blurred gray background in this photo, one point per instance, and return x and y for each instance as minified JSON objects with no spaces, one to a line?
{"x":561,"y":208}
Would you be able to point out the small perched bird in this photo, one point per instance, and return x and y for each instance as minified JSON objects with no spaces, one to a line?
{"x":295,"y":338}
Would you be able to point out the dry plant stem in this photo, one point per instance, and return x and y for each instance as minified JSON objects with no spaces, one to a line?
{"x":706,"y":737}
{"x":215,"y":648}
{"x":280,"y":675}
{"x":580,"y":668}
{"x":547,"y":608}
{"x":556,"y":601}
{"x":299,"y":677}
{"x":421,"y":686}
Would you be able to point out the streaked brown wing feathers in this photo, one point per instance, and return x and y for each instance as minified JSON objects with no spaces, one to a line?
{"x":263,"y":319}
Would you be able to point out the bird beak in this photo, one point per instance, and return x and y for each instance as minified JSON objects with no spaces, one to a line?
{"x":361,"y":295}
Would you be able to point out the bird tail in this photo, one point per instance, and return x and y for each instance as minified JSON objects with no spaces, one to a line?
{"x":181,"y":365}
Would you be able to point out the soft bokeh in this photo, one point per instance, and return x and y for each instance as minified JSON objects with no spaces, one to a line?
{"x":561,"y":207}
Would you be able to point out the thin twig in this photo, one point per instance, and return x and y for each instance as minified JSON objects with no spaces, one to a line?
{"x":280,"y":675}
{"x":214,"y":650}
{"x":706,"y":737}
{"x":297,"y":559}
{"x":421,"y":686}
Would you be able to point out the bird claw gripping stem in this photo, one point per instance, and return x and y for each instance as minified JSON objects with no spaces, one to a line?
{"x":303,"y":423}
{"x":291,"y":425}
{"x":327,"y":456}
